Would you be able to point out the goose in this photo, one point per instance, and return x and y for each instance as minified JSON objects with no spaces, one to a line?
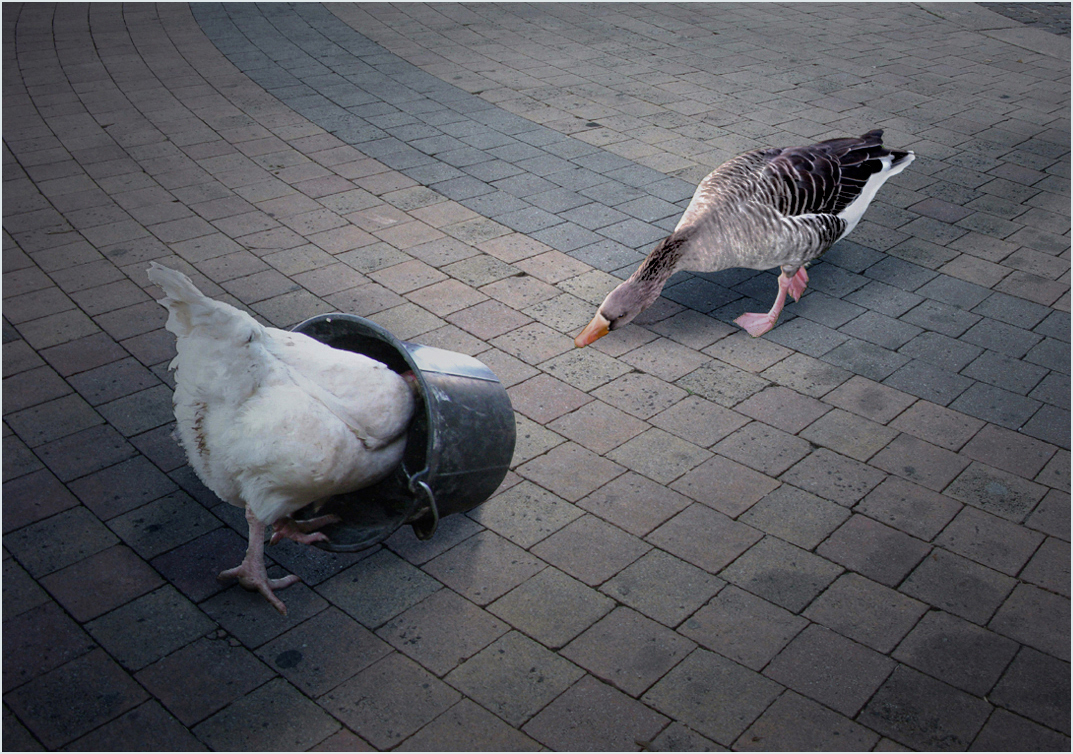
{"x":272,"y":420}
{"x":779,"y":207}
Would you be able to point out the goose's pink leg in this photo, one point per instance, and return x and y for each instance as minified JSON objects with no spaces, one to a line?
{"x":758,"y":324}
{"x":251,"y":573}
{"x":798,"y":283}
{"x":303,"y":532}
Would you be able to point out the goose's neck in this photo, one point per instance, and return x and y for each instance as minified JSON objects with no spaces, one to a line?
{"x":662,"y":262}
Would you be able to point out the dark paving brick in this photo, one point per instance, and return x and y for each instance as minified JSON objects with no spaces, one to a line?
{"x":830,"y":669}
{"x":467,"y":726}
{"x":552,"y":607}
{"x":690,"y":535}
{"x":922,"y":713}
{"x":75,"y":698}
{"x":1005,"y":731}
{"x":743,"y":627}
{"x":995,"y":491}
{"x":990,"y":540}
{"x":952,"y":583}
{"x":712,"y":695}
{"x":203,"y":677}
{"x":634,"y":503}
{"x":34,"y":497}
{"x":276,"y":714}
{"x":590,"y":550}
{"x":796,"y":516}
{"x":866,"y":612}
{"x":54,"y":543}
{"x":833,"y":477}
{"x":645,"y":585}
{"x":779,"y":572}
{"x":514,"y":677}
{"x":1035,"y":617}
{"x":920,"y":462}
{"x":796,"y":723}
{"x":145,"y":728}
{"x":725,"y":485}
{"x":956,"y":652}
{"x":592,"y":716}
{"x":378,"y":588}
{"x":1035,"y":686}
{"x":929,"y":382}
{"x":628,"y":650}
{"x":169,"y":619}
{"x":427,"y":633}
{"x":526,"y":514}
{"x":39,"y":640}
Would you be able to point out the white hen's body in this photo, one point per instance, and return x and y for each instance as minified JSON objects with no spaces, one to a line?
{"x":275,"y":420}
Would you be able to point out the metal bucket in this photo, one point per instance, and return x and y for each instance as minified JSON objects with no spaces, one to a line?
{"x":458,"y":447}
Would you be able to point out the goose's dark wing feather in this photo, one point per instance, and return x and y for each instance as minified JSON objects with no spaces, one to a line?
{"x":823,"y":178}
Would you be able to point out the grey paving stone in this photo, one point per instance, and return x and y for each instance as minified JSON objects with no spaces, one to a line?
{"x":427,"y":633}
{"x":590,"y":549}
{"x":552,"y":607}
{"x":743,"y":627}
{"x":959,"y":586}
{"x":712,"y":695}
{"x":781,"y":573}
{"x":866,"y":359}
{"x":628,"y":650}
{"x":956,"y":652}
{"x":1033,"y":686}
{"x":796,"y":516}
{"x":941,"y":317}
{"x":833,"y":477}
{"x":704,"y":537}
{"x":922,"y":713}
{"x":1035,"y":617}
{"x":929,"y":382}
{"x":998,"y":336}
{"x":75,"y":698}
{"x":941,"y":351}
{"x":830,"y":669}
{"x":806,"y":375}
{"x":525,"y":513}
{"x":644,"y":586}
{"x":995,"y":491}
{"x":514,"y":677}
{"x":796,"y":723}
{"x":378,"y":588}
{"x":592,"y":716}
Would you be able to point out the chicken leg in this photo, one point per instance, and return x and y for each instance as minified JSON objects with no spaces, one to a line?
{"x":251,"y":573}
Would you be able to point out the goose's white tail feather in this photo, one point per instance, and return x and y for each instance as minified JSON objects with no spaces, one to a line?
{"x":853,"y":213}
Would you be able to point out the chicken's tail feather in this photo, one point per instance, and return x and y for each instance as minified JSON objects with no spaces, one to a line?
{"x":187,"y":306}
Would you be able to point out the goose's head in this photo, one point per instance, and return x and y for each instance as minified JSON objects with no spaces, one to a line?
{"x":619,"y":308}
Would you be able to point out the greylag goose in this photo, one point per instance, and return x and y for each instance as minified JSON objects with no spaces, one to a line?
{"x":780,"y":207}
{"x":274,"y":420}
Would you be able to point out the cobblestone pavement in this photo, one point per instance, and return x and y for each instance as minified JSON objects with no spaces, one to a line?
{"x":1052,"y":17}
{"x":852,"y":533}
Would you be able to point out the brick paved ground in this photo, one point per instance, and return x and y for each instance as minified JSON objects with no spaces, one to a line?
{"x":852,"y":533}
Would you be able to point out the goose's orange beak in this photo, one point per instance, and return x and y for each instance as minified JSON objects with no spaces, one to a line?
{"x":598,"y":328}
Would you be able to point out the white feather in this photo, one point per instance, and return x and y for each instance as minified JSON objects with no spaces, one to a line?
{"x":275,"y":419}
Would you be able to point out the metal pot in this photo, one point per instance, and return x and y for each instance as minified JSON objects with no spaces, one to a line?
{"x":458,"y":447}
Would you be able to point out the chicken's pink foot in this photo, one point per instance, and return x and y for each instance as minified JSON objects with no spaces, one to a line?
{"x":303,"y":532}
{"x":251,"y":572}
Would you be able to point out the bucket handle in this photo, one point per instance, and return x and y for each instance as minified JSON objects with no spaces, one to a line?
{"x":422,"y":529}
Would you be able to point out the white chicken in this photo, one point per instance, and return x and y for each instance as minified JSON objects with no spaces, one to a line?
{"x":274,"y":420}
